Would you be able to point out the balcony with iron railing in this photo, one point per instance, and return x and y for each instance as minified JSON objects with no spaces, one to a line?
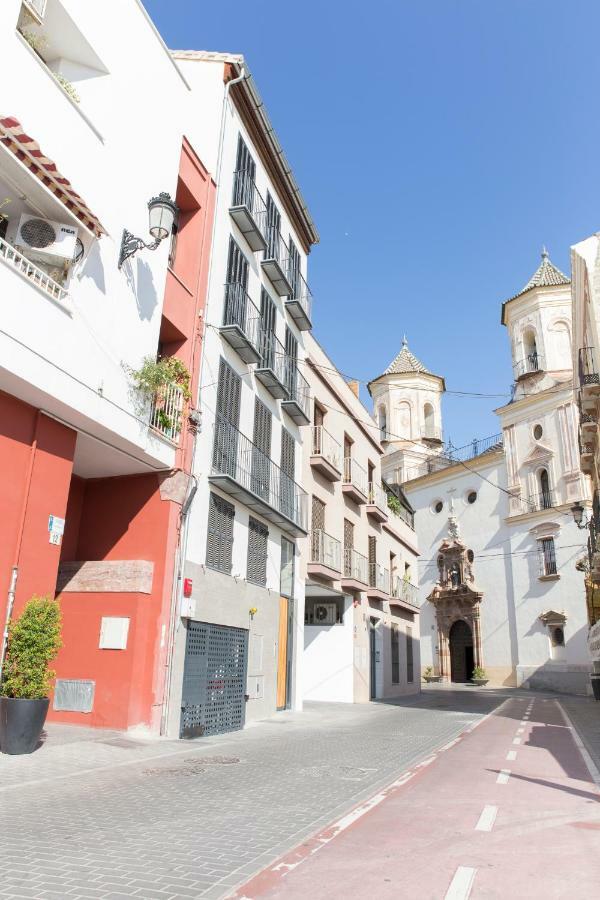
{"x":544,"y":500}
{"x":404,"y":593}
{"x":241,"y":323}
{"x":244,"y":471}
{"x":271,"y":369}
{"x":379,"y":582}
{"x":248,"y":210}
{"x":355,"y":483}
{"x":297,"y":402}
{"x":589,"y":381}
{"x":325,"y":555}
{"x":276,"y":263}
{"x":587,"y":452}
{"x":377,"y":503}
{"x":355,"y":576}
{"x":166,"y":412}
{"x":326,"y":454}
{"x":529,"y":365}
{"x":35,"y":276}
{"x":299,"y":304}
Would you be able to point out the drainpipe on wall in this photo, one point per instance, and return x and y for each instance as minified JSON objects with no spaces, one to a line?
{"x":183,"y":534}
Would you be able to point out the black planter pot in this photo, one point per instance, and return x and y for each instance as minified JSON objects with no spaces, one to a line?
{"x":595,"y":679}
{"x":21,"y":724}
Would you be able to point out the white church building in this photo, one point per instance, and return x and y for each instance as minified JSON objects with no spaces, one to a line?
{"x":499,"y":545}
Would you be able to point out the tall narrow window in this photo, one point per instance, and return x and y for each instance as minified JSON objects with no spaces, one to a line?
{"x":227,"y":420}
{"x":348,"y":535}
{"x":287,"y":486}
{"x":372,"y":560}
{"x":245,"y":174}
{"x":267,"y":330}
{"x":236,"y":288}
{"x":261,"y":451}
{"x":410,"y":674}
{"x":258,"y":538}
{"x":294,"y":269}
{"x":429,"y":421}
{"x":547,"y":556}
{"x":273,"y":250}
{"x":286,"y":587}
{"x":546,"y":493}
{"x":395,"y":638}
{"x":291,"y":362}
{"x":317,"y":529}
{"x":383,"y":431}
{"x":220,"y":533}
{"x":318,"y":415}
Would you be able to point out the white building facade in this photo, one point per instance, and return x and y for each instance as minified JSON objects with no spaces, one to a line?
{"x":498,"y":541}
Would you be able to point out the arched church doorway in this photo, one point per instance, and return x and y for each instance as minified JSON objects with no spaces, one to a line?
{"x":461,"y":652}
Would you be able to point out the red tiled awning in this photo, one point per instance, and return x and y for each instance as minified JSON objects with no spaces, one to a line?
{"x":30,"y":154}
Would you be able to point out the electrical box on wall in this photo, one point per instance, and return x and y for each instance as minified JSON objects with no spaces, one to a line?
{"x":256,"y":687}
{"x":113,"y":633}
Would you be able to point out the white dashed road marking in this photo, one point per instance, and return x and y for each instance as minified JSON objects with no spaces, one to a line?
{"x":503,"y":776}
{"x":461,"y":884}
{"x":487,"y":818}
{"x":511,"y":755}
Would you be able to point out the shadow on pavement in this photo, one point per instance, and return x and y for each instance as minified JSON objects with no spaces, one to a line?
{"x":588,"y":795}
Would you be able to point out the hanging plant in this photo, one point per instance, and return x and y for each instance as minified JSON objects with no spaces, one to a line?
{"x":393,"y":504}
{"x":152,"y":382}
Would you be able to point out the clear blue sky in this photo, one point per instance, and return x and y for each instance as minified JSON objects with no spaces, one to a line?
{"x":439,"y":144}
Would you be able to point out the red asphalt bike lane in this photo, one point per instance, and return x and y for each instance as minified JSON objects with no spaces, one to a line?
{"x":508,"y":810}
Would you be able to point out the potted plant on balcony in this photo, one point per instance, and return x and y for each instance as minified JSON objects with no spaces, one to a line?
{"x":479,"y":677}
{"x":34,"y":639}
{"x":152,"y":382}
{"x":430,"y":677}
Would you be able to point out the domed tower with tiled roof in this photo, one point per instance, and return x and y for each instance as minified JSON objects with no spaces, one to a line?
{"x":407,"y":405}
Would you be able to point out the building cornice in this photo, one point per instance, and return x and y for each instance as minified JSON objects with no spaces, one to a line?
{"x":482,"y":461}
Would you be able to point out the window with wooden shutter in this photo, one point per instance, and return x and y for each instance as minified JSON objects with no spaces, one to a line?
{"x":228,"y":416}
{"x":261,"y":450}
{"x":267,"y":330}
{"x":236,"y":288}
{"x":219,"y":543}
{"x":245,"y":175}
{"x":294,"y":269}
{"x":291,"y":362}
{"x":258,"y":538}
{"x":287,"y":487}
{"x":273,"y":228}
{"x":395,"y":638}
{"x":409,"y":656}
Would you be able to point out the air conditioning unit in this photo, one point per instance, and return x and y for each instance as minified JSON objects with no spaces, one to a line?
{"x":325,"y":613}
{"x":45,"y":239}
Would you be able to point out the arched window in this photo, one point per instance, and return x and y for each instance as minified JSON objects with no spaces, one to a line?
{"x":383,"y":431}
{"x":404,"y":420}
{"x":429,"y":418}
{"x":562,"y":344}
{"x":545,"y":492}
{"x":530,"y":351}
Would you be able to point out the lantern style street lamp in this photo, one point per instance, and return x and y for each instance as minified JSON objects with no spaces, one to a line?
{"x":161,"y":215}
{"x":577,"y":510}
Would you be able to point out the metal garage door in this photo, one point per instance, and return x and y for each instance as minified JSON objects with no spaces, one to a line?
{"x":214,"y":680}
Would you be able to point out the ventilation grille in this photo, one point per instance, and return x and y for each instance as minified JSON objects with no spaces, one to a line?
{"x":74,"y":696}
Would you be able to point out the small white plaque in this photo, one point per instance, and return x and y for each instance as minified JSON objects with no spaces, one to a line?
{"x":113,"y":633}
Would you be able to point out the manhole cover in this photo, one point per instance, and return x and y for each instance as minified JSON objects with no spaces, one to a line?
{"x":192,"y":767}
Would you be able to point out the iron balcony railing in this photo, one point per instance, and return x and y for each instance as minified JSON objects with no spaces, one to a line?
{"x":377,"y":497}
{"x":15,"y":260}
{"x":405,"y":590}
{"x":325,"y":550}
{"x":297,"y":385}
{"x":277,"y":249}
{"x":166,"y":412}
{"x":302,"y":293}
{"x":543,"y":500}
{"x":241,"y":311}
{"x":356,"y":566}
{"x":472,"y":449}
{"x":323,"y":444}
{"x":272,"y":354}
{"x":245,"y":193}
{"x":532,"y":362}
{"x":379,"y":578}
{"x":356,"y":475}
{"x":397,"y":509}
{"x":235,"y":455}
{"x":588,"y":370}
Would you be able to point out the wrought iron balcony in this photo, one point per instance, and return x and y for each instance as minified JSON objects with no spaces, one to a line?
{"x":271,"y":369}
{"x":543,"y":500}
{"x":241,"y":323}
{"x":588,"y":370}
{"x":377,"y":503}
{"x":379,"y":582}
{"x":397,"y":509}
{"x":356,"y":570}
{"x":166,"y":412}
{"x":297,"y":402}
{"x":405,"y":592}
{"x":531,"y":364}
{"x":15,"y":260}
{"x":326,"y":454}
{"x":325,"y":555}
{"x":248,"y":210}
{"x":587,"y":450}
{"x":276,"y":263}
{"x":355,"y":484}
{"x":241,"y":469}
{"x":299,"y":304}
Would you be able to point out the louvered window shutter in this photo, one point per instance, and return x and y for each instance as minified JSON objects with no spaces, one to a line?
{"x":245,"y":177}
{"x":261,"y":451}
{"x":273,"y":226}
{"x":267,"y":326}
{"x":220,"y":533}
{"x":291,"y":362}
{"x":258,"y":536}
{"x":294,"y":269}
{"x":409,"y":656}
{"x":234,"y":310}
{"x":287,"y":492}
{"x":227,"y":420}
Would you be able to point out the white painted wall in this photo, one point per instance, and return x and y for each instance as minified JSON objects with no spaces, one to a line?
{"x":328,"y":665}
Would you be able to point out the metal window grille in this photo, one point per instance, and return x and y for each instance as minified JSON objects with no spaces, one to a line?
{"x":372,"y":550}
{"x":288,"y":469}
{"x":547,"y":556}
{"x":261,"y":452}
{"x":348,"y":535}
{"x":258,"y":535}
{"x":395,"y":639}
{"x":410,"y":673}
{"x":219,"y":543}
{"x":318,"y":515}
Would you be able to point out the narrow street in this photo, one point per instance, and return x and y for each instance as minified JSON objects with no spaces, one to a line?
{"x":422,"y":802}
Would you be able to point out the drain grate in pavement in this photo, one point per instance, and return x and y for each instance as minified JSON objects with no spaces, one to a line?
{"x":193,"y":767}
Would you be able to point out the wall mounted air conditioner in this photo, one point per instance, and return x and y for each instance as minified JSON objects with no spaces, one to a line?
{"x":324,"y":613}
{"x":45,"y":239}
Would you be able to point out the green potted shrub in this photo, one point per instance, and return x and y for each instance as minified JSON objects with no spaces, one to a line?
{"x":430,"y":676}
{"x":34,"y":640}
{"x":479,"y":676}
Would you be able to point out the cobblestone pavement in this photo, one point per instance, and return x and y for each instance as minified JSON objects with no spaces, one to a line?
{"x":104,"y":815}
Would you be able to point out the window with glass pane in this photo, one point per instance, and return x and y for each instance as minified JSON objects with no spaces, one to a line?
{"x":547,"y":555}
{"x":286,"y":587}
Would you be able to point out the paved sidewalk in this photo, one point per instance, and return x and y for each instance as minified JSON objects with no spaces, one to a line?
{"x":584,"y":713}
{"x":509,"y":811}
{"x":104,"y":815}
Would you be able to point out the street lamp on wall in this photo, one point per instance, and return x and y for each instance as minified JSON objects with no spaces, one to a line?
{"x":578,"y":510}
{"x":161,"y":215}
